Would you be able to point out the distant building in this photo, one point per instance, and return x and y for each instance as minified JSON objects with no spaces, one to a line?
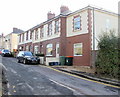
{"x":1,"y":41}
{"x":69,"y":34}
{"x":11,"y":40}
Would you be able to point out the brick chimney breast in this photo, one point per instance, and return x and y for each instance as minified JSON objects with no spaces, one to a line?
{"x":50,"y":15}
{"x":64,"y":9}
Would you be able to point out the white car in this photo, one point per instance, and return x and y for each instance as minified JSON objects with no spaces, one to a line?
{"x":5,"y":52}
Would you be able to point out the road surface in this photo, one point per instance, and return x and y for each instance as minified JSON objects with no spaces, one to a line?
{"x":41,"y":80}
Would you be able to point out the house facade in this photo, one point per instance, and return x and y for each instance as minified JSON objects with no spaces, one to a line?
{"x":69,"y":34}
{"x":1,"y":41}
{"x":11,"y":40}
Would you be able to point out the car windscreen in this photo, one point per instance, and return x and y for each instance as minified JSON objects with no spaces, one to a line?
{"x":6,"y":50}
{"x":28,"y":54}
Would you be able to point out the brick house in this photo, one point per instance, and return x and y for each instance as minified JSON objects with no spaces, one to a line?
{"x":69,"y":34}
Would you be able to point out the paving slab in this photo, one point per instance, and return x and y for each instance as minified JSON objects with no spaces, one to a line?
{"x":0,"y":76}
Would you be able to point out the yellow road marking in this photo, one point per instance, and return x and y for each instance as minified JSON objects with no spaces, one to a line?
{"x":81,"y":77}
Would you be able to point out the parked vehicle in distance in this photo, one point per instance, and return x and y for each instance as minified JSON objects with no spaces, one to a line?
{"x":5,"y":52}
{"x":0,"y":51}
{"x":27,"y":57}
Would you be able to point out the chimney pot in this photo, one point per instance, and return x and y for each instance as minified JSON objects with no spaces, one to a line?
{"x":64,"y":9}
{"x":50,"y":15}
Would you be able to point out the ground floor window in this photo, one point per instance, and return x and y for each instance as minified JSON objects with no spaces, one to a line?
{"x":27,"y":48}
{"x":49,"y":49}
{"x":78,"y":49}
{"x":36,"y":48}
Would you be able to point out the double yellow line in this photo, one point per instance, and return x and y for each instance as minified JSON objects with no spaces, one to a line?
{"x":82,"y":77}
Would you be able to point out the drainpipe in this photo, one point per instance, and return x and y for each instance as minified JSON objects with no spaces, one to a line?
{"x":93,"y":29}
{"x":93,"y":63}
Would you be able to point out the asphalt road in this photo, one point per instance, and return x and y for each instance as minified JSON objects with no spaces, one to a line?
{"x":41,"y":80}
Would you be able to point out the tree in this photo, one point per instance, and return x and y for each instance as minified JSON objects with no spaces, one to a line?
{"x":108,"y":60}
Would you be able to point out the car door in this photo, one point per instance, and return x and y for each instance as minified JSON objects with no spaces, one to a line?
{"x":20,"y":56}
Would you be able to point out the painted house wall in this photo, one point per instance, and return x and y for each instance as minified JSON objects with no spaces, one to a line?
{"x":46,"y":37}
{"x":104,"y":22}
{"x":1,"y":41}
{"x":84,"y":26}
{"x":11,"y":41}
{"x":14,"y":42}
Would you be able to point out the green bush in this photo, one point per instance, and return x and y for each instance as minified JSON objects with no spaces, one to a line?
{"x":108,"y":60}
{"x":13,"y":54}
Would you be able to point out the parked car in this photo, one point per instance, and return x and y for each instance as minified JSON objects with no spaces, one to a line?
{"x":27,"y":57}
{"x":5,"y":52}
{"x":0,"y":51}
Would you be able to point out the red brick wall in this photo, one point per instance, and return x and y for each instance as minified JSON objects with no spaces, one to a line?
{"x":44,"y":44}
{"x":63,"y":37}
{"x":83,"y":60}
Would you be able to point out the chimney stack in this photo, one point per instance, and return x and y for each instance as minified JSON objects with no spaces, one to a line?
{"x":50,"y":15}
{"x":64,"y":9}
{"x":2,"y":34}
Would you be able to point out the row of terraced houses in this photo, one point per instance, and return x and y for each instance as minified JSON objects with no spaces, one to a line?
{"x":69,"y":34}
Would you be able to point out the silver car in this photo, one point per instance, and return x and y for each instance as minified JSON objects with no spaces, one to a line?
{"x":5,"y":52}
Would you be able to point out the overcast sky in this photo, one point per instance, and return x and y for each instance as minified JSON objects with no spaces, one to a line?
{"x":24,"y":14}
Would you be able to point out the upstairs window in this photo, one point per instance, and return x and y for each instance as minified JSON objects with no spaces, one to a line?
{"x":42,"y":32}
{"x":23,"y":37}
{"x":49,"y":49}
{"x":76,"y":23}
{"x":49,"y":29}
{"x":36,"y":34}
{"x":20,"y":38}
{"x":31,"y":35}
{"x":56,"y":26}
{"x":27,"y":36}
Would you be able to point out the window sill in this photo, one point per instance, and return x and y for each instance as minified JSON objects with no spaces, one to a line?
{"x":56,"y":33}
{"x":49,"y":35}
{"x":49,"y":55}
{"x":77,"y":30}
{"x":78,"y":55}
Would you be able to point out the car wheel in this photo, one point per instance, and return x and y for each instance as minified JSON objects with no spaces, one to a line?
{"x":24,"y":61}
{"x":38,"y":62}
{"x":18,"y":60}
{"x":3,"y":55}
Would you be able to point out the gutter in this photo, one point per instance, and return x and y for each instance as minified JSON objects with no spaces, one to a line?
{"x":116,"y":84}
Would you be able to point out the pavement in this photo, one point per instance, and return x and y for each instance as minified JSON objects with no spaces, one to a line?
{"x":0,"y":85}
{"x":0,"y":76}
{"x":89,"y":75}
{"x":3,"y":79}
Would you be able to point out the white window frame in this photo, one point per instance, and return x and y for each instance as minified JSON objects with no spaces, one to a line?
{"x":75,"y":21}
{"x":50,"y":29}
{"x":47,"y":47}
{"x":36,"y":49}
{"x":56,"y":26}
{"x":80,"y":46}
{"x":42,"y":32}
